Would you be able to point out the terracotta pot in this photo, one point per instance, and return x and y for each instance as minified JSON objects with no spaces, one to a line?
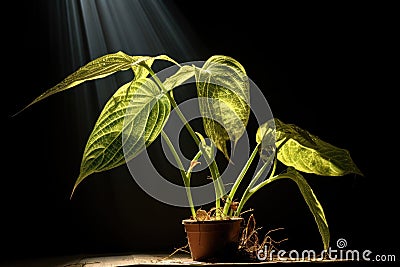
{"x":213,"y":239}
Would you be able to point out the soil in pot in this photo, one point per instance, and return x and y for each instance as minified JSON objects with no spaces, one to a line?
{"x":213,"y":240}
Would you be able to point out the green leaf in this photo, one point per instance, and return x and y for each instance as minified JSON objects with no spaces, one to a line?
{"x":100,"y":68}
{"x":308,"y":153}
{"x":224,"y":100}
{"x":130,"y":121}
{"x":311,"y":200}
{"x":182,"y":75}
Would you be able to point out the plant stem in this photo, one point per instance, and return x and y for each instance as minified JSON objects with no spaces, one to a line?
{"x":258,"y":187}
{"x":219,"y":190}
{"x":195,"y":158}
{"x":247,"y":193}
{"x":264,"y":183}
{"x":218,"y":187}
{"x":183,"y":119}
{"x":239,"y":180}
{"x":185,"y":175}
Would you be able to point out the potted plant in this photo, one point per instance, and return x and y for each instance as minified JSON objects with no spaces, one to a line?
{"x":138,"y":111}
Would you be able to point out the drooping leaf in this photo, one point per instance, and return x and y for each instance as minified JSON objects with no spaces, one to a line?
{"x":140,"y":71}
{"x":101,"y":67}
{"x":308,"y":153}
{"x":182,"y":75}
{"x":312,"y":202}
{"x":130,"y":121}
{"x":224,"y":100}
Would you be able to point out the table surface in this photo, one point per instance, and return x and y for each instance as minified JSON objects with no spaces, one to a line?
{"x":147,"y":260}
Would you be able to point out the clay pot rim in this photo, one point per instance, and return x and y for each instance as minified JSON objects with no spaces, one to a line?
{"x":230,"y":219}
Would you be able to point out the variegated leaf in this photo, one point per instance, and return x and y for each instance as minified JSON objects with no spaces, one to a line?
{"x":308,"y":153}
{"x":224,"y":100}
{"x":312,"y":202}
{"x":101,"y":67}
{"x":130,"y":121}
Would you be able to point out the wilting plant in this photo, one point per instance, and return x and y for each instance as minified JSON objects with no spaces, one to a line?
{"x":135,"y":116}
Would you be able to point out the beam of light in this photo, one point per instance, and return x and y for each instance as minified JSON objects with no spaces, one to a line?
{"x":82,"y":30}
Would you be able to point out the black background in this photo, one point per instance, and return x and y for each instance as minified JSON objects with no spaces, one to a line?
{"x":324,"y":67}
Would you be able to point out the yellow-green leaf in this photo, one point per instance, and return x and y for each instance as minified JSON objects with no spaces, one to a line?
{"x":312,"y":202}
{"x":182,"y":75}
{"x":101,"y":67}
{"x":224,"y":100}
{"x":308,"y":153}
{"x":130,"y":121}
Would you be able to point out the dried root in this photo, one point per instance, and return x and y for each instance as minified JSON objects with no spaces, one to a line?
{"x":250,"y":244}
{"x":181,"y":249}
{"x":250,"y":248}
